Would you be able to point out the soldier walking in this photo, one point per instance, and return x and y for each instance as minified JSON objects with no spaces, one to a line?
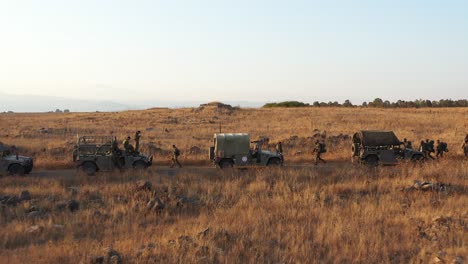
{"x":318,"y":150}
{"x":137,"y":141}
{"x":116,"y":154}
{"x":441,"y":148}
{"x":279,"y":150}
{"x":175,"y":157}
{"x":465,"y":146}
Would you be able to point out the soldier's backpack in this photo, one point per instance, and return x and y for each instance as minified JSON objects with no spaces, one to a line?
{"x":177,"y":152}
{"x":443,"y":146}
{"x":323,"y":148}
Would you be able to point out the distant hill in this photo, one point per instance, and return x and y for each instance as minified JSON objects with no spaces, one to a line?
{"x":38,"y":103}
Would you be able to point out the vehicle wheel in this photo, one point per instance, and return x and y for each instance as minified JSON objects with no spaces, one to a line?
{"x":274,"y":162}
{"x":89,"y":168}
{"x":140,"y":165}
{"x":417,"y":157}
{"x":16,"y":169}
{"x":372,"y":161}
{"x":226,"y":164}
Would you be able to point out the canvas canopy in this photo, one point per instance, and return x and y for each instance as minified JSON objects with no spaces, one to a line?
{"x":232,"y":143}
{"x":376,"y":138}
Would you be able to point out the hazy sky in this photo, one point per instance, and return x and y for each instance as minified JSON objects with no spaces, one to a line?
{"x":235,"y":50}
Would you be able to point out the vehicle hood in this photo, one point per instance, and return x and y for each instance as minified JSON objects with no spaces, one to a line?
{"x":18,"y":158}
{"x":269,"y":153}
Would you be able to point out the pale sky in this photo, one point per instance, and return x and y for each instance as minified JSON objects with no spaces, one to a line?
{"x":247,"y":50}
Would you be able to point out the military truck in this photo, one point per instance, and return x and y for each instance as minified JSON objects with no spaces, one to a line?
{"x":381,"y":147}
{"x":233,"y":149}
{"x":14,"y":164}
{"x":100,"y":153}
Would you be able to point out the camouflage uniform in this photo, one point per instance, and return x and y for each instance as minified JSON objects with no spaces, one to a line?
{"x":318,"y":153}
{"x":175,"y":157}
{"x":115,"y":154}
{"x":279,"y":151}
{"x":465,"y":146}
{"x":440,"y":149}
{"x":137,"y":141}
{"x":127,"y":146}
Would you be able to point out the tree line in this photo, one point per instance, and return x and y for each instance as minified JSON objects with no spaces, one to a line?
{"x":377,"y":103}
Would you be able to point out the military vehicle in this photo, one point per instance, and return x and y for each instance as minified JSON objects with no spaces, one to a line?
{"x":95,"y":153}
{"x":381,"y":147}
{"x":14,"y":164}
{"x":233,"y":149}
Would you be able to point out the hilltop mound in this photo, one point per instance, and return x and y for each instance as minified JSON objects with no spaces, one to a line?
{"x":216,"y":105}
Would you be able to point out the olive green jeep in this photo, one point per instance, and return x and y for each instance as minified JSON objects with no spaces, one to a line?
{"x":233,"y":149}
{"x":381,"y":148}
{"x":100,"y":153}
{"x":14,"y":164}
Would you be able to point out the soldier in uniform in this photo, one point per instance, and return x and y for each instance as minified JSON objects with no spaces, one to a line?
{"x":137,"y":141}
{"x":116,"y":154}
{"x":318,"y":150}
{"x":127,"y":146}
{"x":439,"y":150}
{"x":430,"y":148}
{"x":279,"y":150}
{"x":175,"y":157}
{"x":405,"y":143}
{"x":465,"y":146}
{"x":409,"y":145}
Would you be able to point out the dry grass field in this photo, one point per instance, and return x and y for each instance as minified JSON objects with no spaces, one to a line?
{"x":50,"y":138}
{"x":335,"y":213}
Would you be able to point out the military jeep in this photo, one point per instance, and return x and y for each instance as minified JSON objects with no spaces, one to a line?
{"x":381,"y":147}
{"x":14,"y":164}
{"x":233,"y":149}
{"x":100,"y":153}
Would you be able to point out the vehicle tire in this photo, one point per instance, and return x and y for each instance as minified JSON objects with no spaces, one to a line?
{"x":274,"y":162}
{"x":417,"y":158}
{"x":16,"y":170}
{"x":89,"y":168}
{"x":226,"y":164}
{"x":140,"y":165}
{"x":372,"y":161}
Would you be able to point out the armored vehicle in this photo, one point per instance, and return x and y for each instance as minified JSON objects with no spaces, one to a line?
{"x":231,"y":150}
{"x":101,"y":153}
{"x":381,"y":147}
{"x":14,"y":164}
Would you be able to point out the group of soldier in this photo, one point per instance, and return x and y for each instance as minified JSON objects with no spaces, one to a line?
{"x":130,"y":149}
{"x":317,"y":151}
{"x":428,"y":147}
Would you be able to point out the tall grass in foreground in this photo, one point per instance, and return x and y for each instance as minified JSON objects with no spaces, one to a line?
{"x":310,"y":215}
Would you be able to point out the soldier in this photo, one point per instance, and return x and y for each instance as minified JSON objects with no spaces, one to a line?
{"x":137,"y":141}
{"x":127,"y":146}
{"x":431,"y":148}
{"x":409,"y":145}
{"x":465,"y":146}
{"x":175,"y":157}
{"x":279,"y":150}
{"x":441,"y":148}
{"x":422,"y":147}
{"x":405,"y":143}
{"x":318,"y":150}
{"x":115,"y":154}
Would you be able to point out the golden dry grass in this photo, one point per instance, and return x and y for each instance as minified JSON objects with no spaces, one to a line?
{"x":194,"y":127}
{"x":341,"y":213}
